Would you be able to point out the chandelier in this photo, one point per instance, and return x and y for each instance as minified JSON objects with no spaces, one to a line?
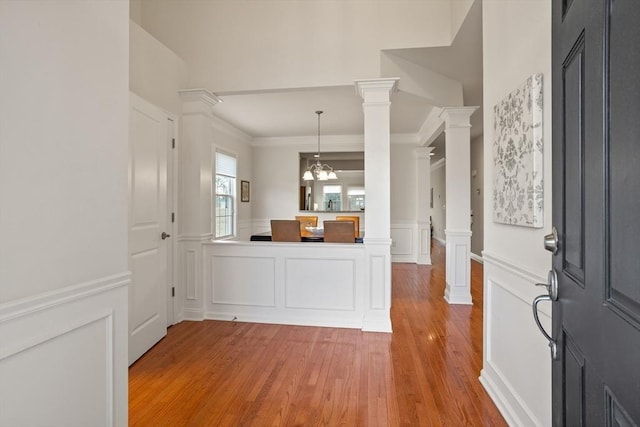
{"x":322,"y":172}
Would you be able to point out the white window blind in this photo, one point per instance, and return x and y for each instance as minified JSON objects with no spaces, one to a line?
{"x":332,"y":189}
{"x":225,"y":164}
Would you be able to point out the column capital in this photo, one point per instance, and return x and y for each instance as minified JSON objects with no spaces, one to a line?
{"x":457,"y":117}
{"x":424,"y":152}
{"x":377,"y":89}
{"x":198,"y":101}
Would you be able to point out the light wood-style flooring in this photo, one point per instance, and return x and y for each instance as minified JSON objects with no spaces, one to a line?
{"x":215,"y":373}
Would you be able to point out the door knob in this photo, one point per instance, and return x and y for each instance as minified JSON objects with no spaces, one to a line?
{"x":551,"y":241}
{"x":165,"y":236}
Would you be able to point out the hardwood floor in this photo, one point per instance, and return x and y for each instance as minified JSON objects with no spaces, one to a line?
{"x":235,"y":374}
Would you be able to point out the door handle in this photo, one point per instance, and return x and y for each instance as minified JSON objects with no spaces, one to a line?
{"x":164,"y":235}
{"x":551,"y":295}
{"x":552,"y":344}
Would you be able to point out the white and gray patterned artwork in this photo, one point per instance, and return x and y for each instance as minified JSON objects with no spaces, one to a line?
{"x":518,"y":156}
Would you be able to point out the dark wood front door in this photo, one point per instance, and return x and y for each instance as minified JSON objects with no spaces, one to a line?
{"x":596,"y":209}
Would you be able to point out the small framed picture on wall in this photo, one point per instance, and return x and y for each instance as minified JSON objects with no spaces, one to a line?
{"x":244,"y":191}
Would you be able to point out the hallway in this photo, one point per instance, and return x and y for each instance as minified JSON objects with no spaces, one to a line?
{"x":229,"y":374}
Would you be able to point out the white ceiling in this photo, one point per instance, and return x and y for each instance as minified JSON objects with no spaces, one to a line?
{"x":292,"y":112}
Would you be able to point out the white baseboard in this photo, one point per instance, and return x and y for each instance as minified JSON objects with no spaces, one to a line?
{"x":499,"y":399}
{"x":193,"y":314}
{"x":476,"y":258}
{"x":408,"y":259}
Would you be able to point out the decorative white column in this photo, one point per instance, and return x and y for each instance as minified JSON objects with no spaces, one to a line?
{"x":376,"y":94}
{"x":458,"y":190}
{"x":423,"y":167}
{"x":195,"y":187}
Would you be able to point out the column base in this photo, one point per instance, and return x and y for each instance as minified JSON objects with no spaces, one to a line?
{"x":455,"y":295}
{"x":458,"y":273}
{"x":377,"y":303}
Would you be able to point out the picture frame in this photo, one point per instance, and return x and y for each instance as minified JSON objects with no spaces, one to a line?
{"x":244,"y":191}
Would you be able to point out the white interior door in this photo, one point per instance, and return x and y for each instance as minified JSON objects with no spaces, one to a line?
{"x":148,"y":220}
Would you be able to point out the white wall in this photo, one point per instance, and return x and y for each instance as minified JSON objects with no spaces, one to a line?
{"x":155,"y":72}
{"x":238,"y":40}
{"x":439,"y":210}
{"x":404,"y":208}
{"x":403,"y":182}
{"x":516,"y":44}
{"x":63,"y":215}
{"x":64,"y":133}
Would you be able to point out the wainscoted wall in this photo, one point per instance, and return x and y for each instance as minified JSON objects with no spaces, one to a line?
{"x":285,"y":283}
{"x":78,"y":332}
{"x":63,"y":225}
{"x":517,"y":362}
{"x":516,"y":40}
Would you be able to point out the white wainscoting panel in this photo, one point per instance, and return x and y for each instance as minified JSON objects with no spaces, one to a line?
{"x":517,"y":362}
{"x":190,"y":285}
{"x":316,"y":284}
{"x":404,"y":247}
{"x":63,"y":356}
{"x":243,"y":280}
{"x":327,"y":284}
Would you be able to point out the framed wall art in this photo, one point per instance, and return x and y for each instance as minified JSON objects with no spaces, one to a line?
{"x":244,"y":191}
{"x":518,"y":156}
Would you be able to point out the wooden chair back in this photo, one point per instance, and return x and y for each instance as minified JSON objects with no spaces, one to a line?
{"x":307,"y":221}
{"x":338,"y":231}
{"x":356,"y":223}
{"x":285,"y":230}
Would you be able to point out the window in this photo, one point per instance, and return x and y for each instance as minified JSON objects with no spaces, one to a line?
{"x":225,"y":187}
{"x":355,"y":196}
{"x":332,"y":197}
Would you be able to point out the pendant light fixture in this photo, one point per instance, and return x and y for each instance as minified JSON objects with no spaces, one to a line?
{"x":322,"y":172}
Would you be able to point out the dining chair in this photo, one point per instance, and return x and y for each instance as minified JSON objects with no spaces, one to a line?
{"x":307,"y":221}
{"x":285,"y":230}
{"x":356,"y":222}
{"x":338,"y":231}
